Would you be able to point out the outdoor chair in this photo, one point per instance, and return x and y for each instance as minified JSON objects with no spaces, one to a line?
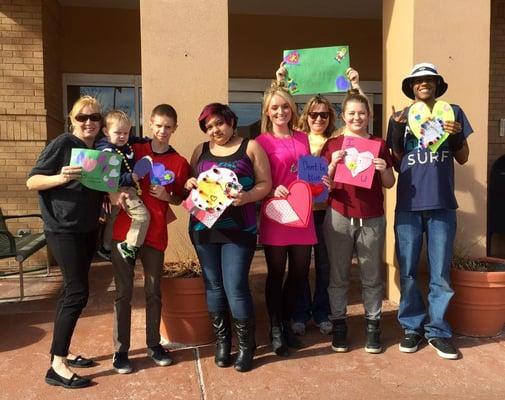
{"x":19,"y":246}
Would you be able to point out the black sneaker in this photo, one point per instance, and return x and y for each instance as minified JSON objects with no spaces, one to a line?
{"x":129,"y":253}
{"x":339,"y":342}
{"x":373,"y":337}
{"x":121,"y":363}
{"x":444,"y":348}
{"x":103,"y":253}
{"x":410,"y":343}
{"x":159,"y":355}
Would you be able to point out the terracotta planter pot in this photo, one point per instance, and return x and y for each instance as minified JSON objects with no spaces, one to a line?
{"x":184,"y":315}
{"x":478,"y":305}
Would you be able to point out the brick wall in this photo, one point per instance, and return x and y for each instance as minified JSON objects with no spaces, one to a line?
{"x":496,"y":145}
{"x":30,"y":101}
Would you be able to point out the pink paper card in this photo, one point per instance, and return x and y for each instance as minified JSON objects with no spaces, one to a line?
{"x":357,"y":166}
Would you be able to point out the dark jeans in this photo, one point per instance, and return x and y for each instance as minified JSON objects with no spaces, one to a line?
{"x":152,"y":263}
{"x":318,"y":307}
{"x":225,"y":269}
{"x":281,"y":295}
{"x":73,"y":253}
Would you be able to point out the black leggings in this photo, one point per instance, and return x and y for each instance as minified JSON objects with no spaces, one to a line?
{"x":73,"y":253}
{"x":280,"y":298}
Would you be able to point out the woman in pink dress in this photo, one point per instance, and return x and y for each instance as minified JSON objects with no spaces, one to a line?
{"x":283,"y":146}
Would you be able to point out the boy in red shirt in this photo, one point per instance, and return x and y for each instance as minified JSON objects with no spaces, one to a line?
{"x":157,"y":199}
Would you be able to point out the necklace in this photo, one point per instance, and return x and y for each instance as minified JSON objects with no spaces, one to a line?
{"x":137,"y":186}
{"x":294,"y":164}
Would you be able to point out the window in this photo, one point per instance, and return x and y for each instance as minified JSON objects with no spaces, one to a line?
{"x":121,"y":92}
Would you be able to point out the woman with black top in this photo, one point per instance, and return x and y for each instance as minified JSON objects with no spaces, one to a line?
{"x":226,"y":249}
{"x":70,"y":212}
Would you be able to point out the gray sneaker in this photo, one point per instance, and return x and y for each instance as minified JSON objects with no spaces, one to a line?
{"x":298,"y":328}
{"x":325,"y":327}
{"x":444,"y":348}
{"x":410,"y":343}
{"x":121,"y":363}
{"x":159,"y":355}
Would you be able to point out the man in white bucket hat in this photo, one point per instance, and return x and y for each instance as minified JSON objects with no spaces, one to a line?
{"x":426,"y":205}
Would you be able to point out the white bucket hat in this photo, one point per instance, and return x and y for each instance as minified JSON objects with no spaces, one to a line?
{"x":423,"y":69}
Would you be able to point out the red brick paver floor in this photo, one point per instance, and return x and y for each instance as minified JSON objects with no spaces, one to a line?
{"x":314,"y":372}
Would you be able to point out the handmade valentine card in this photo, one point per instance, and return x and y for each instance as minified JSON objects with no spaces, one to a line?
{"x":100,"y":169}
{"x":311,"y":170}
{"x":428,"y":125}
{"x":317,"y":70}
{"x":160,"y":175}
{"x":215,"y":192}
{"x":357,"y":167}
{"x":293,"y":210}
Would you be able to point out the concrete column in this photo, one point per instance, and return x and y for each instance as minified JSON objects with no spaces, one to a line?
{"x":184,"y":63}
{"x":453,"y":35}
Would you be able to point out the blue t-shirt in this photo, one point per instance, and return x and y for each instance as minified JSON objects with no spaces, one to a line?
{"x":426,"y":179}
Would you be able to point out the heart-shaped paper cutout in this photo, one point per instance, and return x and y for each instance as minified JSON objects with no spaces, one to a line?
{"x":102,"y":159}
{"x":160,"y":175}
{"x":421,"y":123}
{"x":114,"y":160}
{"x":143,"y":166}
{"x":316,"y":188}
{"x":293,"y":210}
{"x":88,"y":164}
{"x":357,"y":162}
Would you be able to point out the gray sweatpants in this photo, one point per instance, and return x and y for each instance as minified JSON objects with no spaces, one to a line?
{"x":342,"y":235}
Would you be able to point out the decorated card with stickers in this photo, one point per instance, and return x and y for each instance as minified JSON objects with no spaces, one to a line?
{"x":100,"y":169}
{"x":317,"y":70}
{"x":428,"y":125}
{"x":357,"y":167}
{"x":311,"y":170}
{"x":215,"y":192}
{"x":293,"y":210}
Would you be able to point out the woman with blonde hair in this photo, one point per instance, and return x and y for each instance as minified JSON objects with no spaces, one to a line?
{"x":284,"y":146}
{"x":318,"y":121}
{"x":70,"y":212}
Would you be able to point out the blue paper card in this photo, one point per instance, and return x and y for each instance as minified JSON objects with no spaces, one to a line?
{"x":311,"y":169}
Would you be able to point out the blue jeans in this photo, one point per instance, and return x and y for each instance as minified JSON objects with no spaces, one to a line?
{"x":225,"y":269}
{"x":319,"y":307}
{"x":440,"y":229}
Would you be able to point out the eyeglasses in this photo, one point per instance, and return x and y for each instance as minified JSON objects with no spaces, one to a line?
{"x":323,"y":115}
{"x":95,"y":117}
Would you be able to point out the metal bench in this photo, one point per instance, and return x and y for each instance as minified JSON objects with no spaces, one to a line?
{"x":19,"y":247}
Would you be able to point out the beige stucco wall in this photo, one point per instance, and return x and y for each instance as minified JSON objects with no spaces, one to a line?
{"x":454,"y":35}
{"x":184,"y":63}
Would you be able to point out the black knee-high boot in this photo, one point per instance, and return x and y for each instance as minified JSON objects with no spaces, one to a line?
{"x":245,"y":330}
{"x":222,"y":329}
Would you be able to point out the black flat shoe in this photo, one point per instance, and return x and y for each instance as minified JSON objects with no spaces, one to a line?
{"x":75,"y":382}
{"x":80,"y":362}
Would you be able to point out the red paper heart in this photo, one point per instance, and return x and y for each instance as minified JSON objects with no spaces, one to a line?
{"x":316,"y":188}
{"x":295,"y":209}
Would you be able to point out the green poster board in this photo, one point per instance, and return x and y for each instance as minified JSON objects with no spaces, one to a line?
{"x":318,"y":70}
{"x":100,"y":169}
